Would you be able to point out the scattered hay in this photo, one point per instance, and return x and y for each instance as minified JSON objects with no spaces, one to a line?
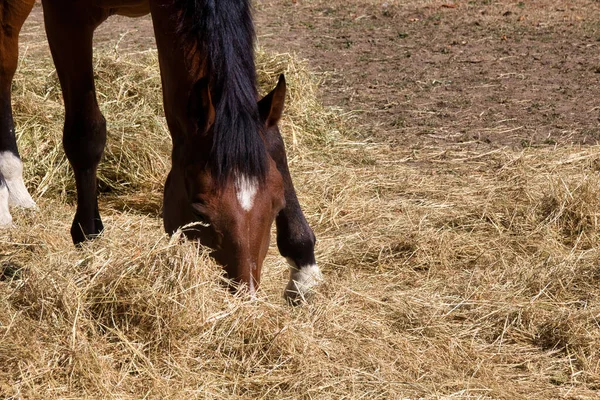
{"x":136,"y":158}
{"x":458,"y":275}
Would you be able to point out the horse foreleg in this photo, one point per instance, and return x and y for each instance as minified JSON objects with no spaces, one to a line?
{"x":295,"y":238}
{"x":70,"y":37}
{"x":12,"y":188}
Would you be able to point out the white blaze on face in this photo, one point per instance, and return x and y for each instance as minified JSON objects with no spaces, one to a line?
{"x":5,"y":217}
{"x":12,"y":171}
{"x":246,"y":191}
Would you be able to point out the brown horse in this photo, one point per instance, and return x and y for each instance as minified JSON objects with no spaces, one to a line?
{"x":229,"y":167}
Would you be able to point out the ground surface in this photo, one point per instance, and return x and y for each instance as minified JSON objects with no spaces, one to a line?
{"x":491,"y":72}
{"x":454,"y":193}
{"x":485,"y":73}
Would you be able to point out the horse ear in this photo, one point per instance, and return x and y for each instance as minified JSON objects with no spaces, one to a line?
{"x":200,"y":106}
{"x":271,"y":106}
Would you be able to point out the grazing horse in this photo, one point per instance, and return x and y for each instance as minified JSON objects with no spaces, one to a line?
{"x":229,"y":168}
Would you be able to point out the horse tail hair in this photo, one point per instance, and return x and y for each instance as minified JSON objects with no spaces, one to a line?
{"x":220,"y":35}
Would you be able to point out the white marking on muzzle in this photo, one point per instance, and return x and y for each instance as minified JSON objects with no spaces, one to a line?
{"x":302,"y":280}
{"x":5,"y":217}
{"x":246,"y":190}
{"x":252,"y":289}
{"x":251,"y":284}
{"x":11,"y":169}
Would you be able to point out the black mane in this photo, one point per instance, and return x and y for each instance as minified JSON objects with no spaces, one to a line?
{"x":221,"y":34}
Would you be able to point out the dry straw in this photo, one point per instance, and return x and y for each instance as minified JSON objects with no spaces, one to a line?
{"x":454,"y":274}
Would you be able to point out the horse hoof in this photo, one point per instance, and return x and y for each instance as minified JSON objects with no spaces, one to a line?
{"x":5,"y":217}
{"x":79,"y":236}
{"x":18,"y":196}
{"x":302,"y":284}
{"x":11,"y":170}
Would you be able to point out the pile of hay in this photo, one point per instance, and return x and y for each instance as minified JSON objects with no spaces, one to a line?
{"x":454,"y":274}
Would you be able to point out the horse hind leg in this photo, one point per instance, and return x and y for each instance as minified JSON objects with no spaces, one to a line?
{"x":12,"y":188}
{"x":84,"y":135}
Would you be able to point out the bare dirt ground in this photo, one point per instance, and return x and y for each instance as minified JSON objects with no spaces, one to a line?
{"x":491,"y":73}
{"x":480,"y":73}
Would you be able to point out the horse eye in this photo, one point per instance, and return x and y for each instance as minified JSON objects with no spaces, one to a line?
{"x":199,"y":210}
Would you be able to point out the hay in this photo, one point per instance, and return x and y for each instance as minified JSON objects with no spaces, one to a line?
{"x":138,"y":145}
{"x":454,"y":274}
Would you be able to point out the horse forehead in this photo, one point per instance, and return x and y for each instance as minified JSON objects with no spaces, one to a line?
{"x":246,"y":188}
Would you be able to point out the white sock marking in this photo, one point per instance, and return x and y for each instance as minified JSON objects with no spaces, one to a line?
{"x":302,"y":280}
{"x":5,"y":217}
{"x":11,"y":169}
{"x":246,"y":190}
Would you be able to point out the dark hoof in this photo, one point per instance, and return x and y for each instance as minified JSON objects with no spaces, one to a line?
{"x":80,"y":235}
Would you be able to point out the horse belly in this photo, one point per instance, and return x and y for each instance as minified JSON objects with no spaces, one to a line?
{"x":129,"y":8}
